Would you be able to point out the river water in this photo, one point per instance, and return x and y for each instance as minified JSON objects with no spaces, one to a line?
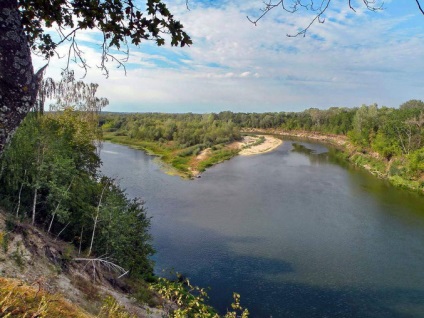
{"x":296,"y":232}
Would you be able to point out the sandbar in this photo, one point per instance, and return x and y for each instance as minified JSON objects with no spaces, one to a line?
{"x":248,"y":148}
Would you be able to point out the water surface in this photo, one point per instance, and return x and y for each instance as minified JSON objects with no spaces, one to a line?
{"x":296,"y":232}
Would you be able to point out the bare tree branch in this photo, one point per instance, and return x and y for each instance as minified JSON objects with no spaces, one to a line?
{"x":419,"y":6}
{"x":317,"y":17}
{"x":319,"y":8}
{"x":104,"y":261}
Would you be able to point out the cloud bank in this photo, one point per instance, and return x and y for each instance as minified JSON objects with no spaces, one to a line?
{"x":351,"y":59}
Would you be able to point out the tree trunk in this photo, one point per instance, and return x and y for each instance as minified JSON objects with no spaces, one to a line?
{"x":80,"y":241}
{"x":18,"y":83}
{"x":96,"y":220}
{"x":34,"y":203}
{"x":19,"y":195}
{"x":57,"y":206}
{"x":62,"y":230}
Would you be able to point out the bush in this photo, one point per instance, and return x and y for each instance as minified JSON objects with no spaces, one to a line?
{"x":190,"y":301}
{"x":416,"y":162}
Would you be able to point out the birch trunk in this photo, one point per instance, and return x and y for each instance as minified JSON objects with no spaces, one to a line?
{"x":34,"y":203}
{"x":96,"y":220}
{"x":57,"y":206}
{"x":19,"y":195}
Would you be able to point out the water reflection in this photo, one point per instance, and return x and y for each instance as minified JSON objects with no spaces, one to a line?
{"x":297,"y":234}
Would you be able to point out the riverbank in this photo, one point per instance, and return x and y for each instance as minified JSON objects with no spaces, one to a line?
{"x":254,"y":145}
{"x":283,"y":196}
{"x":390,"y":170}
{"x":186,"y":162}
{"x":190,"y":162}
{"x":43,"y":276}
{"x":339,"y":141}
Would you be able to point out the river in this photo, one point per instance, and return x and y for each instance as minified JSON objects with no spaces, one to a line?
{"x":294,"y":231}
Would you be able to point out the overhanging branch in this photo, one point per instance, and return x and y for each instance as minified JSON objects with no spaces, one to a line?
{"x":419,"y":6}
{"x":317,"y":7}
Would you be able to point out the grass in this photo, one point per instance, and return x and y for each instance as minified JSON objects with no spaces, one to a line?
{"x":112,"y":309}
{"x":393,"y":171}
{"x":182,"y":160}
{"x":18,"y":257}
{"x":400,"y":182}
{"x":217,"y":157}
{"x":4,"y":241}
{"x":375,"y":166}
{"x":181,"y":163}
{"x":20,"y":300}
{"x":91,"y":291}
{"x":153,"y":148}
{"x":258,"y":142}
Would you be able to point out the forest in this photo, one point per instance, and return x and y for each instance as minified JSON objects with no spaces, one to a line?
{"x":390,"y":140}
{"x":49,"y":161}
{"x":177,"y":138}
{"x":50,"y":175}
{"x":50,"y":179}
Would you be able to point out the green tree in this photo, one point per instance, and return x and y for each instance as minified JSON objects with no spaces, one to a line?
{"x":365,"y":125}
{"x":24,"y":28}
{"x":123,"y":233}
{"x":50,"y":174}
{"x":413,"y":104}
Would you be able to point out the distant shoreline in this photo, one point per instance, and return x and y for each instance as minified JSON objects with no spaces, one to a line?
{"x":252,"y":144}
{"x":368,"y":160}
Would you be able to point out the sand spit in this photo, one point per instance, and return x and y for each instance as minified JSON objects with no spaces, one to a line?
{"x":248,"y":147}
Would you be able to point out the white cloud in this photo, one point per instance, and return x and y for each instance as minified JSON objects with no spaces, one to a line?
{"x":352,"y":58}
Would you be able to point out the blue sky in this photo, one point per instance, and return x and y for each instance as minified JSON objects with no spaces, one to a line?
{"x":350,"y":60}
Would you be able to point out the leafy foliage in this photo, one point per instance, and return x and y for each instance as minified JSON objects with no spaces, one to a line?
{"x":386,"y":134}
{"x":190,"y":301}
{"x":50,"y":173}
{"x":183,"y":130}
{"x":177,"y":138}
{"x":120,"y":22}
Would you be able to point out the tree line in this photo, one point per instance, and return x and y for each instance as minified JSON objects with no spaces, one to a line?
{"x":184,"y":130}
{"x":394,"y":134}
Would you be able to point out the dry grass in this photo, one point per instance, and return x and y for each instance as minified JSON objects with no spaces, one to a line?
{"x":20,"y":300}
{"x":90,"y":290}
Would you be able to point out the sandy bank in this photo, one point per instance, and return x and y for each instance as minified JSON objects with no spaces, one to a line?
{"x":336,"y":140}
{"x":248,"y":147}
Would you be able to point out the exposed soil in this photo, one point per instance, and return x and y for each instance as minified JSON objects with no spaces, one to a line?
{"x":37,"y":259}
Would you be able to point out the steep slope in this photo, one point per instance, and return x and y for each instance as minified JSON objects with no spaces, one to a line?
{"x":35,"y":263}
